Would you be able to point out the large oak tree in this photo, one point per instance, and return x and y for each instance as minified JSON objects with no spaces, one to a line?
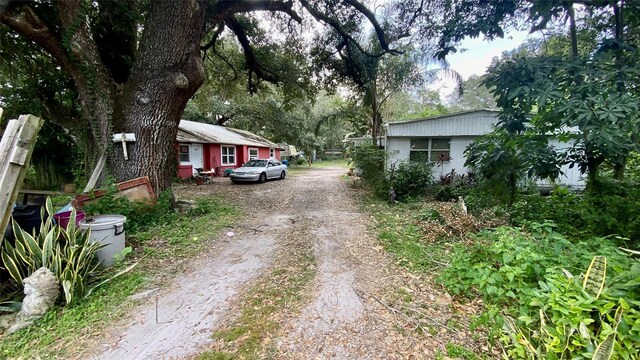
{"x":135,"y":64}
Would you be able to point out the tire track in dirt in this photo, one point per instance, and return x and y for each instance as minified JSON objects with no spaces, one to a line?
{"x":181,"y":319}
{"x":338,"y":322}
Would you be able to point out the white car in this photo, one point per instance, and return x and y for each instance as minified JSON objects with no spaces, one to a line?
{"x":259,"y":170}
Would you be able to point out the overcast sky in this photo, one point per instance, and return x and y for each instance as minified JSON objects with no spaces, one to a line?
{"x":477,"y":57}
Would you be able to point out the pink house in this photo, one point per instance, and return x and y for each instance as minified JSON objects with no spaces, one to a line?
{"x":217,"y":148}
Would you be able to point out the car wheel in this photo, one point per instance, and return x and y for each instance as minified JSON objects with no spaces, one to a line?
{"x":282,"y":175}
{"x":233,"y":181}
{"x":263,"y":178}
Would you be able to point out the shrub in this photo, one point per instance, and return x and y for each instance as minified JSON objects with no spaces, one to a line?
{"x":632,"y":170}
{"x":68,"y":253}
{"x":608,"y":208}
{"x":140,"y":215}
{"x":550,"y":314}
{"x":412,"y":178}
{"x":301,"y":160}
{"x":369,"y":159}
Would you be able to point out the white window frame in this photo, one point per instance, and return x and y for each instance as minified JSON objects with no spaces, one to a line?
{"x":227,"y":155}
{"x":429,"y":150}
{"x":272,"y":153}
{"x":257,"y":156}
{"x":188,"y":153}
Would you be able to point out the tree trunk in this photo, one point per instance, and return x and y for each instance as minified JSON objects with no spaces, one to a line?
{"x":154,"y":97}
{"x":375,"y":113}
{"x":573,"y":34}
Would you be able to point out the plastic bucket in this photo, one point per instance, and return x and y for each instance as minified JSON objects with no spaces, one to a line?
{"x":27,"y":217}
{"x":62,"y":218}
{"x":108,"y":230}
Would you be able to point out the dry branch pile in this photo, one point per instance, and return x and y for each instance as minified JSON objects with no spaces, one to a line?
{"x":448,"y":220}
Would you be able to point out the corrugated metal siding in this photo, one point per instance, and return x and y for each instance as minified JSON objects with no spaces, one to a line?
{"x":461,"y":129}
{"x":467,"y":124}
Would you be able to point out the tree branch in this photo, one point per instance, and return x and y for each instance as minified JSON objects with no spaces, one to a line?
{"x":380,"y":33}
{"x":322,"y":17}
{"x":23,"y":20}
{"x":214,"y":38}
{"x":222,"y":9}
{"x":252,"y":62}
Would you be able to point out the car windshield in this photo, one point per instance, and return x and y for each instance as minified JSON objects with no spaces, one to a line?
{"x":256,"y":163}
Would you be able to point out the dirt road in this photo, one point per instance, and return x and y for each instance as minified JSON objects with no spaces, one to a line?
{"x":343,"y":318}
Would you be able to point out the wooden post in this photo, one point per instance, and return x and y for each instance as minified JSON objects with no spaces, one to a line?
{"x":16,"y":147}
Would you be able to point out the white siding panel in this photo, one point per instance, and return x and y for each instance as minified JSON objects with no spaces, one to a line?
{"x":397,"y":150}
{"x":472,"y":124}
{"x":570,"y":177}
{"x":458,"y":146}
{"x":461,"y":129}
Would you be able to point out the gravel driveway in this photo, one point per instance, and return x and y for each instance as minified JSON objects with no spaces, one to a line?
{"x":344,"y":318}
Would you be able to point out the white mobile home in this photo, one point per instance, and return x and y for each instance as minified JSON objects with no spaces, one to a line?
{"x":443,"y":139}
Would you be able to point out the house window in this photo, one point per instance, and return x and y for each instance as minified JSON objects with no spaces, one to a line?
{"x":272,"y":153}
{"x":436,"y":149}
{"x":184,"y":153}
{"x":253,"y":153}
{"x":228,"y":155}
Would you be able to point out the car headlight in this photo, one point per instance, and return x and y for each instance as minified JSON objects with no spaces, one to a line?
{"x":253,"y":172}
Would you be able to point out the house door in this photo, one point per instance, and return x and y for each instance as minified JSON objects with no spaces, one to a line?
{"x":197,"y":159}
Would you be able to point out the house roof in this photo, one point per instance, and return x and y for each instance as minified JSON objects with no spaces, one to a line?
{"x":466,"y":112}
{"x":195,"y":132}
{"x":465,"y":123}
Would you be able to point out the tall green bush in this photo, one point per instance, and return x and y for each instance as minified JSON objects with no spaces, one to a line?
{"x":412,"y":178}
{"x":609,"y":207}
{"x":369,"y":159}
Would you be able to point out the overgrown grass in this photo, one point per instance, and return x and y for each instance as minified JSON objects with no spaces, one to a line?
{"x":57,"y":334}
{"x":398,"y":230}
{"x":402,"y":230}
{"x":63,"y":330}
{"x":460,"y":352}
{"x":185,"y":235}
{"x":249,"y":336}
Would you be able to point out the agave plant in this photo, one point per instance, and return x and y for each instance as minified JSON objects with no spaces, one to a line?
{"x":67,"y":252}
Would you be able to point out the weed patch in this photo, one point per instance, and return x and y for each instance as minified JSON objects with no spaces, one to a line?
{"x":57,"y":335}
{"x":250,"y":336}
{"x":62,"y":331}
{"x":527,"y":281}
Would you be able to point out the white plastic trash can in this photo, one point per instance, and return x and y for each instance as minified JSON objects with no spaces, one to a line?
{"x":109,"y":230}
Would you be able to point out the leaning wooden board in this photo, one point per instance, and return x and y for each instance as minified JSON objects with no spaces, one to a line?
{"x":16,"y":148}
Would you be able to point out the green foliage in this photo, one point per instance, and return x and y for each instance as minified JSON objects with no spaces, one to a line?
{"x":609,"y":208}
{"x":460,"y":352}
{"x":529,"y":276}
{"x":63,"y":324}
{"x":476,"y":96}
{"x":369,"y":159}
{"x":496,"y":159}
{"x":67,"y":252}
{"x":140,"y":215}
{"x":301,"y":160}
{"x":503,"y":161}
{"x":412,"y":178}
{"x":591,"y":95}
{"x":633,"y":167}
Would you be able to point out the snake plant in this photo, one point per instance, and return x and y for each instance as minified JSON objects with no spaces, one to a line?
{"x":68,"y":252}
